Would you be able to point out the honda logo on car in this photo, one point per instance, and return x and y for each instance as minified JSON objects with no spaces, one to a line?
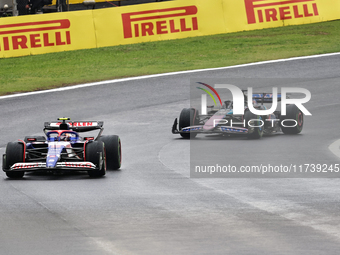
{"x":259,"y":11}
{"x":160,"y":21}
{"x":35,"y":34}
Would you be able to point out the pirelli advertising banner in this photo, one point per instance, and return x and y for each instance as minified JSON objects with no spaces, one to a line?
{"x":257,"y":14}
{"x":159,"y":21}
{"x":38,"y":34}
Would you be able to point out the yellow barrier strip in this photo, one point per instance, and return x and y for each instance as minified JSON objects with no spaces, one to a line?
{"x":39,"y":34}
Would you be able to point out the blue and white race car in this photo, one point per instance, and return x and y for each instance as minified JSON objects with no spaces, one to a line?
{"x":63,"y":149}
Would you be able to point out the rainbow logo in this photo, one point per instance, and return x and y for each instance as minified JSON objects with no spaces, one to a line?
{"x":209,"y":93}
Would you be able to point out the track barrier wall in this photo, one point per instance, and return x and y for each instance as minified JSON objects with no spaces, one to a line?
{"x":64,"y":31}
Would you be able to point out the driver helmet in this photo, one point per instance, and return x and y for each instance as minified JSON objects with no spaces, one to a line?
{"x":65,"y":137}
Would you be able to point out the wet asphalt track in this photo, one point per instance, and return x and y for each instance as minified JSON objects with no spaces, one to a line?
{"x":152,"y":206}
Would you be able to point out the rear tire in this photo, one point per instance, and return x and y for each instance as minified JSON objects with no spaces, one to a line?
{"x":257,"y":131}
{"x":188,"y":117}
{"x":95,"y":153}
{"x":14,"y":154}
{"x":113,"y":148}
{"x":294,"y":113}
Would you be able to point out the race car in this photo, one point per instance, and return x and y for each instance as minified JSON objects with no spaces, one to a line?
{"x":63,"y":149}
{"x":223,"y":121}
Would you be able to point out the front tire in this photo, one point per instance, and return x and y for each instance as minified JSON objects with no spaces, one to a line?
{"x":14,"y":154}
{"x":296,"y":116}
{"x":95,"y":153}
{"x":113,"y":148}
{"x":188,"y":117}
{"x":255,"y":123}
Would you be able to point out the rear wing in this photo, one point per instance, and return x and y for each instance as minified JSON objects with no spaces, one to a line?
{"x":264,"y":97}
{"x":78,"y":126}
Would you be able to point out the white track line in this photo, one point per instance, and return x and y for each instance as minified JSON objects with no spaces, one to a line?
{"x":164,"y":74}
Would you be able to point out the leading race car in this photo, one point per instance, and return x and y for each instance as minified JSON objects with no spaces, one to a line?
{"x":223,"y":121}
{"x":63,"y":149}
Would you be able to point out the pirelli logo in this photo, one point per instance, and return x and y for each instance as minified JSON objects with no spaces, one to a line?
{"x":259,"y":11}
{"x":35,"y":34}
{"x":162,"y":21}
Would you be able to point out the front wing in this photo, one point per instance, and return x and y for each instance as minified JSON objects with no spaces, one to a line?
{"x":198,"y":129}
{"x":39,"y":166}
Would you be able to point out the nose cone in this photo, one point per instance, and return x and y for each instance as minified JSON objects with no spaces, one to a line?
{"x":51,"y":161}
{"x":54,"y":152}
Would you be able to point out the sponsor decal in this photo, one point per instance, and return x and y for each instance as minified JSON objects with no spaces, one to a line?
{"x":75,"y":124}
{"x":236,"y":130}
{"x":84,"y":124}
{"x":25,"y":165}
{"x":35,"y":34}
{"x":191,"y":129}
{"x":59,"y":165}
{"x":260,"y":11}
{"x":77,"y":165}
{"x":160,"y":21}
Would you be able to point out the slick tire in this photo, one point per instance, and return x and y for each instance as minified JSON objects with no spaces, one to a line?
{"x":292,"y":122}
{"x":14,"y":154}
{"x":255,"y":120}
{"x":188,"y":117}
{"x":113,"y":148}
{"x":95,"y":153}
